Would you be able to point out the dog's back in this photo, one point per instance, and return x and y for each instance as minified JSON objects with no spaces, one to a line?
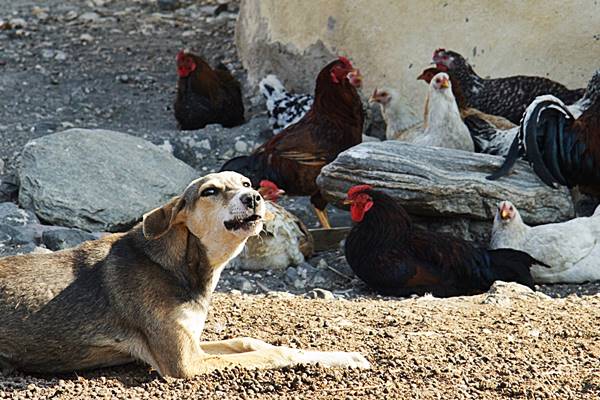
{"x":35,"y":291}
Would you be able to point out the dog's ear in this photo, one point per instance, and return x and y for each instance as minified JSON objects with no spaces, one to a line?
{"x":158,"y":221}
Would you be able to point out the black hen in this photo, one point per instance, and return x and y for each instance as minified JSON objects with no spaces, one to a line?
{"x":507,"y":97}
{"x":396,"y":258}
{"x":205,"y":95}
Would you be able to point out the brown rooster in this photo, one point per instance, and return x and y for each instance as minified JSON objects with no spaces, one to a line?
{"x":507,"y":97}
{"x":396,"y":258}
{"x":206,"y":95}
{"x":293,"y":158}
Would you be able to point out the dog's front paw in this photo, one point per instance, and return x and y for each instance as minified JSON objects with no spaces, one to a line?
{"x":351,"y":360}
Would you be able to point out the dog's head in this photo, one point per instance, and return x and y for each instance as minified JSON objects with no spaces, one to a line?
{"x":218,"y":209}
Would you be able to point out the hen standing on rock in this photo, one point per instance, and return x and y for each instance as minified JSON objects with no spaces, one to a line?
{"x":284,"y":108}
{"x":396,"y":258}
{"x":507,"y":97}
{"x":444,"y":127}
{"x":205,"y":95}
{"x":293,"y":159}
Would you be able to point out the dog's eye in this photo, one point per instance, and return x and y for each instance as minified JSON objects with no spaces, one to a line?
{"x":246,"y":184}
{"x":209,"y":192}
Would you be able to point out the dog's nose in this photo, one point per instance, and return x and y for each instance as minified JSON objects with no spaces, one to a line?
{"x":251,"y":200}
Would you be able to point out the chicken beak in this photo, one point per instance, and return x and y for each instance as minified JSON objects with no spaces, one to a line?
{"x":445,"y":84}
{"x":355,"y":78}
{"x":347,"y":202}
{"x":504,"y":214}
{"x":280,"y":192}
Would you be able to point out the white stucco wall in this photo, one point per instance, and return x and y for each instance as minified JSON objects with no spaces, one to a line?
{"x":392,"y":41}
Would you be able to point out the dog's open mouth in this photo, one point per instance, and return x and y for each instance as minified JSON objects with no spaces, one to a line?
{"x":242,"y":223}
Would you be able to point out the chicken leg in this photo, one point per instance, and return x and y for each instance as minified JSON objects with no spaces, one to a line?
{"x":322,"y":216}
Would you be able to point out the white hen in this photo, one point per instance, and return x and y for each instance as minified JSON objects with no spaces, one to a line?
{"x":283,"y":241}
{"x":571,"y":248}
{"x":445,"y":127}
{"x":400,"y":123}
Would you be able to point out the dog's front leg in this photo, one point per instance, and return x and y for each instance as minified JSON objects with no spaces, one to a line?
{"x":234,"y":346}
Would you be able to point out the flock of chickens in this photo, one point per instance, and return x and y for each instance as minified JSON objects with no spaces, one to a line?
{"x":557,"y":130}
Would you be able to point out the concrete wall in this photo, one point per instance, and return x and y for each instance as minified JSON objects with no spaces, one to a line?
{"x":392,"y":41}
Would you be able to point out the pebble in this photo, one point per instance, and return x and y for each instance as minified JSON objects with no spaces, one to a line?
{"x":89,"y":16}
{"x":86,"y":37}
{"x":123,"y":78}
{"x":17,"y":23}
{"x":240,"y":146}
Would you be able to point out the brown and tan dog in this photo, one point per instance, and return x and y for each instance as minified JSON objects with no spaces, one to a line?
{"x":143,"y":294}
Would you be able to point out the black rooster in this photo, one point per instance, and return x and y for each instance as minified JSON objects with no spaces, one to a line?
{"x":396,"y":258}
{"x":507,"y":97}
{"x":562,"y":149}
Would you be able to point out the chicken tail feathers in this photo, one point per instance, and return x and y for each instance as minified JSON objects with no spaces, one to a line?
{"x":513,"y":155}
{"x":510,"y":266}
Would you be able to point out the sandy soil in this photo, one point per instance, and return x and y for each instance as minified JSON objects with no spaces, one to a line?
{"x":491,"y":346}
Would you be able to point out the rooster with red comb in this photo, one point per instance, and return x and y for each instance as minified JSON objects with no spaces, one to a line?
{"x":294,"y":158}
{"x":397,"y":258}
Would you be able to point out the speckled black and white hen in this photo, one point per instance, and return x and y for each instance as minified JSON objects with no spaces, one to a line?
{"x":284,"y":108}
{"x":507,"y":97}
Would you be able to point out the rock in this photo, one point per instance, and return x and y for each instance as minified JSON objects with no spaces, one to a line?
{"x":1,"y":166}
{"x":86,"y":37}
{"x":97,"y":180}
{"x":11,"y":214}
{"x":318,"y":293}
{"x":241,"y":283}
{"x":435,"y":182}
{"x":65,"y":238}
{"x":16,"y":235}
{"x":502,"y":293}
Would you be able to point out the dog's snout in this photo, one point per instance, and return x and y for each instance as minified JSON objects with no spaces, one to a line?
{"x":251,"y":200}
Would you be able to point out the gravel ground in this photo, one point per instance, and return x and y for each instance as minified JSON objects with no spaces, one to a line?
{"x":485,"y":347}
{"x":110,"y":64}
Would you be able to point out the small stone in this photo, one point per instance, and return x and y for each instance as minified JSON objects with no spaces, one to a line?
{"x":123,"y":78}
{"x":204,"y":144}
{"x":167,"y":5}
{"x":86,"y":37}
{"x":65,"y":238}
{"x":48,"y":53}
{"x":18,"y":23}
{"x":71,"y":15}
{"x":240,"y":146}
{"x":60,"y":56}
{"x":89,"y":16}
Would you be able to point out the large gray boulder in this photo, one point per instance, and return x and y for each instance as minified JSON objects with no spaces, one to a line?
{"x":97,"y":180}
{"x":444,"y":187}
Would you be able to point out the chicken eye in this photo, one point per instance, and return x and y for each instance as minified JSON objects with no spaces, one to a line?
{"x":511,"y":208}
{"x":209,"y":192}
{"x":438,"y":80}
{"x":246,"y":184}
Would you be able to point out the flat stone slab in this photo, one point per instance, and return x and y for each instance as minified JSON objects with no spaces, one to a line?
{"x":437,"y":182}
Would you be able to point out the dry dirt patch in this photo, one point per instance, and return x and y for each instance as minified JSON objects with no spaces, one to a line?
{"x":489,"y":346}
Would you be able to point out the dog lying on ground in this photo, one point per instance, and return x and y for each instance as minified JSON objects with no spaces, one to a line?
{"x":143,"y":294}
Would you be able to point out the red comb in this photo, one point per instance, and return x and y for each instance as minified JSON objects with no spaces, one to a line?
{"x":268,"y":184}
{"x":438,"y":50}
{"x":180,"y":55}
{"x":345,"y":61}
{"x":354,"y":190}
